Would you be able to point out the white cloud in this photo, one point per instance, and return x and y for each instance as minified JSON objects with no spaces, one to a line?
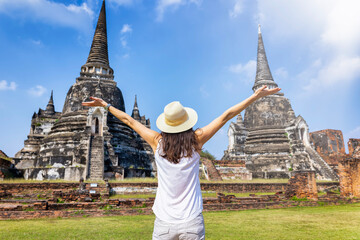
{"x":75,"y":16}
{"x":341,"y":70}
{"x":330,"y":32}
{"x":4,"y":85}
{"x":355,"y":133}
{"x":123,"y":42}
{"x":126,"y":29}
{"x":280,"y":73}
{"x":36,"y":42}
{"x":121,"y":2}
{"x":237,"y":9}
{"x":246,"y":71}
{"x":204,"y":92}
{"x":37,"y":91}
{"x":163,"y":5}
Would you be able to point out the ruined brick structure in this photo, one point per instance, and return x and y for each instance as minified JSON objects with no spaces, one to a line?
{"x":82,"y":141}
{"x":5,"y":163}
{"x":354,"y":147}
{"x":349,"y":174}
{"x":349,"y":170}
{"x":271,"y":140}
{"x":302,"y":185}
{"x":329,"y":144}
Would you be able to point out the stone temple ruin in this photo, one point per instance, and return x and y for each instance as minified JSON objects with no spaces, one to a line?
{"x":271,"y":140}
{"x":329,"y":143}
{"x":83,"y":142}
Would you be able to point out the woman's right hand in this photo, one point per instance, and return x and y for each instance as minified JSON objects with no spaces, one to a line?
{"x":97,"y":102}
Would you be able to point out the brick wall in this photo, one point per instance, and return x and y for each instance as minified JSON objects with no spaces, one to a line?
{"x":15,"y":188}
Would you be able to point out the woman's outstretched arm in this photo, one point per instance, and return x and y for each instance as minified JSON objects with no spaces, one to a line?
{"x":150,"y":136}
{"x":204,"y":134}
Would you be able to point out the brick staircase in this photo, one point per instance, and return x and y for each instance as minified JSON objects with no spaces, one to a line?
{"x":210,"y":170}
{"x":96,"y":158}
{"x":324,"y":167}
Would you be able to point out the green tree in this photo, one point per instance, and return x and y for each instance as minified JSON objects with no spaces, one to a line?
{"x":206,"y":154}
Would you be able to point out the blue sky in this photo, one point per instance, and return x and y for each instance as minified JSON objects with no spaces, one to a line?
{"x":200,"y":52}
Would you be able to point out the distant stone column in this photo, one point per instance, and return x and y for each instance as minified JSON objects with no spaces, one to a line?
{"x":302,"y":185}
{"x":349,"y":174}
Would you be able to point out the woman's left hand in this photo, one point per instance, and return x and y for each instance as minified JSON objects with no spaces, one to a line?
{"x":263,"y":91}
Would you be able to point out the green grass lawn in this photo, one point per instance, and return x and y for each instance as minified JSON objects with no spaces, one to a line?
{"x":329,"y":222}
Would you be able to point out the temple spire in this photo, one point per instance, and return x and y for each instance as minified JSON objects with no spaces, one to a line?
{"x":135,"y":112}
{"x":135,"y":104}
{"x":50,"y":108}
{"x":51,"y":100}
{"x":99,"y":47}
{"x":263,"y":73}
{"x":98,"y":59}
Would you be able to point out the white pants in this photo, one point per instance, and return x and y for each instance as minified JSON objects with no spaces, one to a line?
{"x":192,"y":230}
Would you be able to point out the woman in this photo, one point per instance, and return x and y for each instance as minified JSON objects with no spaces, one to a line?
{"x":178,"y":202}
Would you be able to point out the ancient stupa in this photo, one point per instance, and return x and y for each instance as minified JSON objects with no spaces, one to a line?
{"x":271,"y":140}
{"x":82,"y":141}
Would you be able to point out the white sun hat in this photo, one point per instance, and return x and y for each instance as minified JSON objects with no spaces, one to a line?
{"x":176,"y":118}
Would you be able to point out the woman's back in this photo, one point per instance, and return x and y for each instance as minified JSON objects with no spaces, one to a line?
{"x":178,"y":196}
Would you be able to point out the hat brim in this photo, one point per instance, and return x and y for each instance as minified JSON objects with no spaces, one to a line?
{"x":189,"y":123}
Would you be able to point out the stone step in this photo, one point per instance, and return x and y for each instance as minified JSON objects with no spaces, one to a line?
{"x":267,"y":140}
{"x":96,"y":157}
{"x":325,"y":168}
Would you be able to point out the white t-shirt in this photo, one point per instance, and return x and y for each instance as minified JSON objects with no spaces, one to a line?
{"x":178,"y":197}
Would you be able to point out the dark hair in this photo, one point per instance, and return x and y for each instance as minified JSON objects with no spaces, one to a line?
{"x":178,"y":145}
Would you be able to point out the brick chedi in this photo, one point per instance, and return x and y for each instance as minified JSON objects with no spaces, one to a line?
{"x":82,"y":141}
{"x":271,"y":140}
{"x":41,"y":124}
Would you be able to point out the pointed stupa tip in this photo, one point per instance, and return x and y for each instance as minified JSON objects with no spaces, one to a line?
{"x":99,"y":47}
{"x":263,"y":73}
{"x":50,"y":108}
{"x":135,"y":104}
{"x":51,"y":100}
